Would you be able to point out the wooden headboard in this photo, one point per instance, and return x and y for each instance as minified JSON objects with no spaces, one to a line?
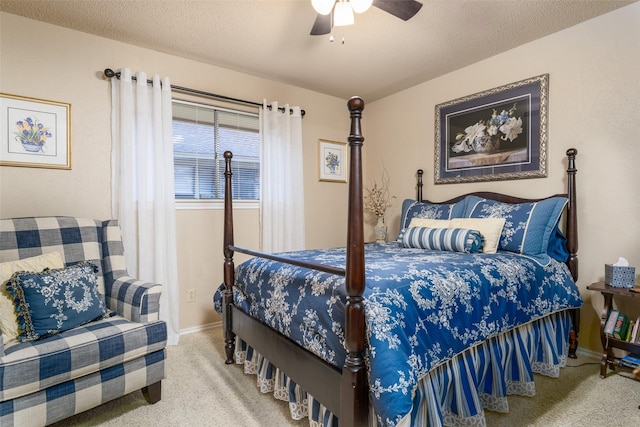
{"x":570,"y":214}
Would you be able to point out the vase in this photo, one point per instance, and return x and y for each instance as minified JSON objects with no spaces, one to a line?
{"x":486,"y":144}
{"x":31,"y":146}
{"x":381,"y":230}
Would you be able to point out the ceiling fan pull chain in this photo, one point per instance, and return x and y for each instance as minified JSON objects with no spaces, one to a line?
{"x":331,"y":38}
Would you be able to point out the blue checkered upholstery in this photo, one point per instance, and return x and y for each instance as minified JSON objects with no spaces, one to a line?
{"x":134,"y":299}
{"x":44,"y":381}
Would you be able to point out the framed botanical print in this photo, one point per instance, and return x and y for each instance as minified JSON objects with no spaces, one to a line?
{"x":34,"y":132}
{"x":332,"y":157}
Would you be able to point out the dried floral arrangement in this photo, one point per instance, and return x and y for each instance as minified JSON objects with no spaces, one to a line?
{"x":377,"y":198}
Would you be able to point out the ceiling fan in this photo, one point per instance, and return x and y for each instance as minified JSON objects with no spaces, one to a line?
{"x":340,"y":12}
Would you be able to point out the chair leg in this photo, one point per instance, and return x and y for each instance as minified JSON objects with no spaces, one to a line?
{"x":152,"y":393}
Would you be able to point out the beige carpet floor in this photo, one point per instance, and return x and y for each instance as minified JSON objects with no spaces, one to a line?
{"x":200,"y":390}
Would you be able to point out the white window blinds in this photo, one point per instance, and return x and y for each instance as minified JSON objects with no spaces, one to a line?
{"x":201,"y":135}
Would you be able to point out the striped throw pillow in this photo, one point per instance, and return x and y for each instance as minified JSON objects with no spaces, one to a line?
{"x":443,"y":239}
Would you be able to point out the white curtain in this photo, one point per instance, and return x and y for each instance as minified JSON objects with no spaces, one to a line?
{"x":282,"y":179}
{"x":143,"y":187}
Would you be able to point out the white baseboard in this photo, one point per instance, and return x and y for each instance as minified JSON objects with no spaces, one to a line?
{"x":200,"y":328}
{"x":588,"y":353}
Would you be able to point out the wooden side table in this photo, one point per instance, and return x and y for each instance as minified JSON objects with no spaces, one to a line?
{"x":609,"y":342}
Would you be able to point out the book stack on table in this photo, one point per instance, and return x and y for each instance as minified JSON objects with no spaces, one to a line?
{"x":619,"y":326}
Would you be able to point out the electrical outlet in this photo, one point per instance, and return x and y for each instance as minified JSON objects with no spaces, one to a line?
{"x":191,"y":295}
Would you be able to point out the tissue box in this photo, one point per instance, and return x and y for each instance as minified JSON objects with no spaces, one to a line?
{"x":619,"y":277}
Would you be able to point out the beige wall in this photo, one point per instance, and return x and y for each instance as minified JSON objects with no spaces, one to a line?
{"x":594,"y":104}
{"x":594,"y":100}
{"x":48,"y":62}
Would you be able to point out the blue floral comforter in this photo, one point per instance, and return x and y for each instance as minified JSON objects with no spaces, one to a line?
{"x":422,"y":307}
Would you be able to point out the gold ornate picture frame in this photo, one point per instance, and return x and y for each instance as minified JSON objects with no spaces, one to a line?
{"x":34,"y":132}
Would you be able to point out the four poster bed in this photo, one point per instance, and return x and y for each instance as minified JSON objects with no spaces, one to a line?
{"x":397,"y":333}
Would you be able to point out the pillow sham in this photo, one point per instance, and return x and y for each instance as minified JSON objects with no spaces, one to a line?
{"x":490,"y":228}
{"x":443,"y":239}
{"x":54,"y":301}
{"x":557,"y":248}
{"x":414,"y":209}
{"x":8,"y":317}
{"x":528,"y":226}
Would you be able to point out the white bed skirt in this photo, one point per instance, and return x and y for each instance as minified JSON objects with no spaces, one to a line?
{"x":456,"y":392}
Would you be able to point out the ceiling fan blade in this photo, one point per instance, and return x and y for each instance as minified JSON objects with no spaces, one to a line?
{"x":322,"y":25}
{"x":403,"y":9}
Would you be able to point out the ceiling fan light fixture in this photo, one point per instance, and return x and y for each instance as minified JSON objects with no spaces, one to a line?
{"x":323,"y":7}
{"x":360,"y":6}
{"x":342,"y":14}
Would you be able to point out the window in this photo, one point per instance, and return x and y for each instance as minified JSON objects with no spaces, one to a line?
{"x":201,"y":135}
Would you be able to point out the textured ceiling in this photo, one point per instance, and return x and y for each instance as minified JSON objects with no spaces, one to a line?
{"x":380,"y":55}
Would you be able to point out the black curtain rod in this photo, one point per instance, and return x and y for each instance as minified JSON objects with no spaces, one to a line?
{"x":109,"y":73}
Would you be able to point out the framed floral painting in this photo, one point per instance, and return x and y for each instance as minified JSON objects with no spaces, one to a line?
{"x":34,"y":132}
{"x":332,"y":158}
{"x":493,"y":135}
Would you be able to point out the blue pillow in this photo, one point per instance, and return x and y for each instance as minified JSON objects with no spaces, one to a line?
{"x":414,"y":209}
{"x":528,"y":226}
{"x":443,"y":239}
{"x":53,"y":301}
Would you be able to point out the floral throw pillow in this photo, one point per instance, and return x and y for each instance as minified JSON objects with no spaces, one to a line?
{"x":528,"y":226}
{"x":53,"y":301}
{"x":414,"y":209}
{"x":8,"y":317}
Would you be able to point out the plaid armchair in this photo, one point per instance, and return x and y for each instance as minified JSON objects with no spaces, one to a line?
{"x":49,"y":379}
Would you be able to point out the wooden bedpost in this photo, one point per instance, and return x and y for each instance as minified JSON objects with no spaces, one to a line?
{"x":420,"y":173}
{"x":355,"y":388}
{"x":572,"y":214}
{"x":229,"y":273}
{"x":572,"y":243}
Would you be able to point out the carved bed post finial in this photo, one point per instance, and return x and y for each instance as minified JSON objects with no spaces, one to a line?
{"x":229,"y":273}
{"x":354,"y":388}
{"x":420,"y":173}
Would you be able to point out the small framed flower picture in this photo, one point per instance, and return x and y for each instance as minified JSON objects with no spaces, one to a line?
{"x":34,"y":132}
{"x":332,"y":157}
{"x":493,"y":135}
